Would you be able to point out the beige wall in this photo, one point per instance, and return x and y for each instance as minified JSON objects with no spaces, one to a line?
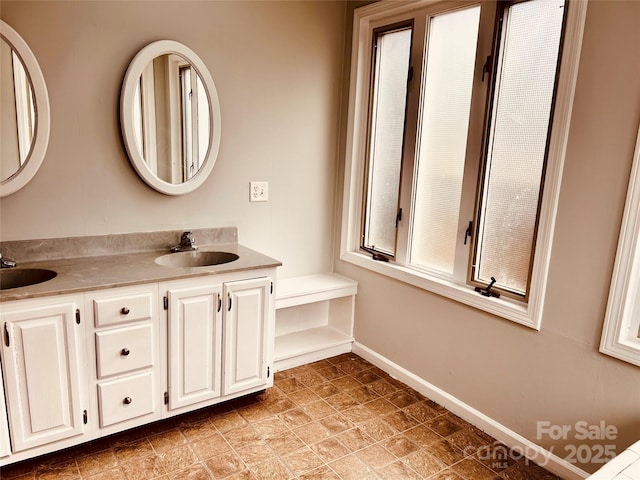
{"x":277,"y":68}
{"x":511,"y":373}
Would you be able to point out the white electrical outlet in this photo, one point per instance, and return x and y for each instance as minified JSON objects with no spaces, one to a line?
{"x":258,"y":191}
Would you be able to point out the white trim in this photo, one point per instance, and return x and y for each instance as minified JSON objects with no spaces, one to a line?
{"x":137,"y":66}
{"x":621,"y":332}
{"x":529,"y":314}
{"x":511,"y":439}
{"x":42,"y":121}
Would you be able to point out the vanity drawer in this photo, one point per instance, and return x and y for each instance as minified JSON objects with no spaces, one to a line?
{"x":124,"y":349}
{"x":124,"y":308}
{"x":125,"y":398}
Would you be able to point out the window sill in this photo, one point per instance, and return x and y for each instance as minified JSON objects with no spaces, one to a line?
{"x":509,"y":309}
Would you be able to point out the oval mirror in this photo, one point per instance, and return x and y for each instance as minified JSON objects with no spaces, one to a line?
{"x":170,"y":117}
{"x":24,"y":112}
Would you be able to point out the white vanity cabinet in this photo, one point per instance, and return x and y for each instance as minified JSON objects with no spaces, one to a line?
{"x":83,"y":366}
{"x":42,"y":358}
{"x":123,"y":327}
{"x":220,"y":338}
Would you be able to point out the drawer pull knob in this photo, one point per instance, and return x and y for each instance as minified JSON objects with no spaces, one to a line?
{"x":125,"y":351}
{"x":127,"y":400}
{"x":124,"y":311}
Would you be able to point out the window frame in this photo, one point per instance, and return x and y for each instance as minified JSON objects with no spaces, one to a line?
{"x":621,"y":321}
{"x":387,"y":12}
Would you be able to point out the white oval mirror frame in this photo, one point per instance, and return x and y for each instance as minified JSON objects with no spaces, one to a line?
{"x":42,"y":115}
{"x":128,"y":97}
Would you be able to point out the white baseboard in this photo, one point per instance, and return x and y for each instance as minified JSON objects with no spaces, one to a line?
{"x":511,"y":439}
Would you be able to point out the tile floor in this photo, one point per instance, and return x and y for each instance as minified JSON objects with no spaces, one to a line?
{"x":340,"y":418}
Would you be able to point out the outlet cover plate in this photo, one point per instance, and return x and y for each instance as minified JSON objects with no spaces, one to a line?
{"x":258,"y":191}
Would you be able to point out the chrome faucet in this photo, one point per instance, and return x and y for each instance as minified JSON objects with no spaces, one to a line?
{"x":7,"y":262}
{"x":187,"y":243}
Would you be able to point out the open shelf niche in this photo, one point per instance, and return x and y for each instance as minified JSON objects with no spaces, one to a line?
{"x":314,"y":318}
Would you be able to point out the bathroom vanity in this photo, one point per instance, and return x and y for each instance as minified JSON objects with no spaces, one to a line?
{"x":118,"y":340}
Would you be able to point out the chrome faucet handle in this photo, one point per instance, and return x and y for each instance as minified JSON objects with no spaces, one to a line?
{"x":7,"y":262}
{"x":187,"y":243}
{"x":187,"y":239}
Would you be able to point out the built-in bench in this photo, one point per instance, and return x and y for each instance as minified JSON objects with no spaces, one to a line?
{"x":314,"y":318}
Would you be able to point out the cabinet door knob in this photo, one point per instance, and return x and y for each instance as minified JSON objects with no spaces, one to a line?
{"x":125,"y":351}
{"x":127,"y":400}
{"x":124,"y":311}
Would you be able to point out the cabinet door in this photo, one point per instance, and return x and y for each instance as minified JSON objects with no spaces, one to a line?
{"x":42,"y":372}
{"x":246,"y":348}
{"x":195,"y":345}
{"x":5,"y":446}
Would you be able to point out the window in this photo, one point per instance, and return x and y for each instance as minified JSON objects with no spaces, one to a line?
{"x":457,"y":127}
{"x":621,"y":332}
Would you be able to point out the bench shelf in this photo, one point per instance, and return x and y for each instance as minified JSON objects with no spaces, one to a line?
{"x":314,"y":318}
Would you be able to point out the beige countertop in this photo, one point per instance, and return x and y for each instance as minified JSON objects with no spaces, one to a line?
{"x":88,"y":273}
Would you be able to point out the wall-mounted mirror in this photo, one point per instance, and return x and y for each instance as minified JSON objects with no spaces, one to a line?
{"x":24,"y":112}
{"x":170,"y":117}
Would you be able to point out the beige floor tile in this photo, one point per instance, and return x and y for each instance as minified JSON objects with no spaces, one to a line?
{"x":398,"y":471}
{"x":211,"y":446}
{"x":144,"y":468}
{"x":95,"y":463}
{"x":317,"y":410}
{"x":270,"y":428}
{"x":312,"y":432}
{"x":228,"y":421}
{"x":336,"y":419}
{"x":400,"y":446}
{"x":330,"y":449}
{"x":376,"y":456}
{"x":194,"y":472}
{"x":378,"y":429}
{"x":303,"y":461}
{"x":422,"y":436}
{"x":167,"y":440}
{"x":322,"y":473}
{"x":350,"y":468}
{"x":295,"y":418}
{"x":110,"y":474}
{"x":355,"y":439}
{"x":470,"y":468}
{"x":271,"y":470}
{"x":65,"y":471}
{"x":285,"y":443}
{"x":447,"y":475}
{"x":126,"y":452}
{"x":177,"y":459}
{"x":424,"y":463}
{"x":225,"y":465}
{"x":254,"y":453}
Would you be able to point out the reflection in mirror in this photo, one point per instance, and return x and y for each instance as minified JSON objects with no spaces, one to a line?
{"x":24,"y":112}
{"x":170,"y":117}
{"x":17,"y":112}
